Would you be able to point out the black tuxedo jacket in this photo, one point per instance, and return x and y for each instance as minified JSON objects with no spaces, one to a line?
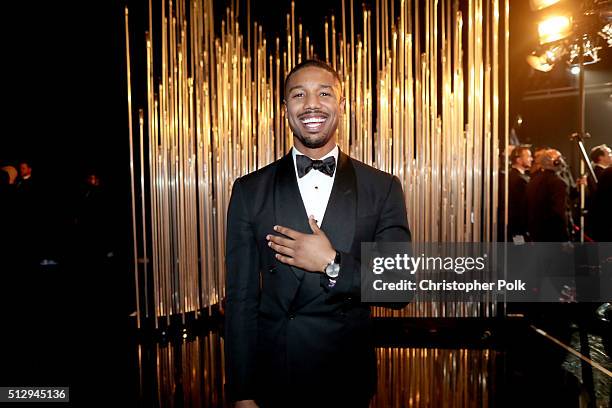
{"x":290,"y":338}
{"x":517,"y":203}
{"x":547,"y":197}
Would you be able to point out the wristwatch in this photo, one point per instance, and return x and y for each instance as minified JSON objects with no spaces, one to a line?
{"x":332,"y":269}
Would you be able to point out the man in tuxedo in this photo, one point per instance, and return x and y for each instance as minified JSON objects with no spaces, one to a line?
{"x":296,"y":332}
{"x":520,"y":159}
{"x":601,"y":158}
{"x":597,"y":214}
{"x":547,"y":198}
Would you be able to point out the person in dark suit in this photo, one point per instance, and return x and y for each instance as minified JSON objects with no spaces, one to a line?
{"x":296,"y":333}
{"x":520,"y":160}
{"x":547,"y":196}
{"x":25,"y":183}
{"x":601,"y":158}
{"x":602,"y":230}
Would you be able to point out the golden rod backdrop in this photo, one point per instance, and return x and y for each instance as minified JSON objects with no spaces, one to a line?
{"x":423,"y":83}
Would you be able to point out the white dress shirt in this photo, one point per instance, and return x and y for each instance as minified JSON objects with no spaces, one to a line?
{"x":315,"y":187}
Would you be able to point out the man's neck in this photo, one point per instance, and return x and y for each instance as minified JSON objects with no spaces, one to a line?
{"x":601,"y":165}
{"x":519,"y":168}
{"x":317,"y":152}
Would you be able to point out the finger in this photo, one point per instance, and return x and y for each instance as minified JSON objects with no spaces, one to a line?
{"x":281,"y":249}
{"x":288,"y":242}
{"x":287,"y":231}
{"x":313,"y":224}
{"x":285,"y":259}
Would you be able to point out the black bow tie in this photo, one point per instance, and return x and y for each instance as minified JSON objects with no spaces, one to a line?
{"x":305,"y":164}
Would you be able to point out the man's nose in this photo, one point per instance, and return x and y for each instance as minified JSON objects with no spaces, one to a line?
{"x":312,"y":101}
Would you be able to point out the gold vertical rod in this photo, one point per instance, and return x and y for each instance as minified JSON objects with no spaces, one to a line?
{"x":333,"y":39}
{"x":292,"y":34}
{"x":143,"y":214}
{"x":133,"y":192}
{"x":152,"y":167}
{"x":326,"y":42}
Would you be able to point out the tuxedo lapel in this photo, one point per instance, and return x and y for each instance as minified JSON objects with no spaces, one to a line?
{"x":341,"y":212}
{"x":289,"y":210}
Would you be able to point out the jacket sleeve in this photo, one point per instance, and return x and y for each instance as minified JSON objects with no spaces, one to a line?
{"x":392,"y":226}
{"x":242,"y":298}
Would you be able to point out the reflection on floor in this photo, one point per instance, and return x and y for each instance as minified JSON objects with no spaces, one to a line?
{"x":186,"y":369}
{"x":420,"y":377}
{"x":184,"y":373}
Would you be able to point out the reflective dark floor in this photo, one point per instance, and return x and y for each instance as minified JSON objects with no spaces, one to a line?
{"x":421,"y":363}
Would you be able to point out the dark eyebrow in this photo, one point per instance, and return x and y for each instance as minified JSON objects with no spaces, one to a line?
{"x":320,"y":86}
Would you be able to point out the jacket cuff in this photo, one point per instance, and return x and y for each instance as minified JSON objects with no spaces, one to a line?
{"x":349,"y":279}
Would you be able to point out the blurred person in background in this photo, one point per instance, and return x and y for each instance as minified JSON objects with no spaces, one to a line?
{"x":601,"y":159}
{"x":547,"y":200}
{"x":520,"y":161}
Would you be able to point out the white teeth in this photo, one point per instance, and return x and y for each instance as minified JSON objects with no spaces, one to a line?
{"x":313,"y":120}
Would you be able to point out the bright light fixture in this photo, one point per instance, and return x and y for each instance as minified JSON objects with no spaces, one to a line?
{"x":539,"y":63}
{"x":554,"y":28}
{"x":544,"y":62}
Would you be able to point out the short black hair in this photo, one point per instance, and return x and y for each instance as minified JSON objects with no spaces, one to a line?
{"x":312,"y":63}
{"x":597,"y":152}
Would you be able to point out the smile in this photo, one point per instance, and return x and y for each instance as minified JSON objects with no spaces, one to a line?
{"x":313,"y":123}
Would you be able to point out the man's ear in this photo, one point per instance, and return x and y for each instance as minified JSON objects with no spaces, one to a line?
{"x":285,"y":107}
{"x":342,"y":103}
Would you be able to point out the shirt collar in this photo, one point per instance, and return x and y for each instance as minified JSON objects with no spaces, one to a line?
{"x":332,"y":152}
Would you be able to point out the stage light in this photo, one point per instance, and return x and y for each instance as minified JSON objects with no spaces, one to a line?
{"x":539,"y":63}
{"x":554,"y":28}
{"x":545,"y":61}
{"x":575,"y":70}
{"x":541,"y":4}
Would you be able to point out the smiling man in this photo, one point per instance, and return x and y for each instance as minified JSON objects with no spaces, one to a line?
{"x":296,"y":333}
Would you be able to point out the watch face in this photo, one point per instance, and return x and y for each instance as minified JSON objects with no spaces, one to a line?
{"x":332,"y":270}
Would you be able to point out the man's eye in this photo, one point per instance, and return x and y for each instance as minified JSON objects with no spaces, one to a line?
{"x":298,"y":95}
{"x":325,"y":94}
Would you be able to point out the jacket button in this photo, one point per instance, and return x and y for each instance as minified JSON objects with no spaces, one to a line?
{"x":291,"y":316}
